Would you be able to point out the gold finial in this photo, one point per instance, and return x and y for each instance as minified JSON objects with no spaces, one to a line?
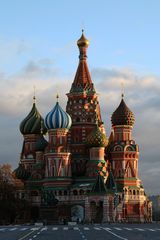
{"x":34,"y":94}
{"x":57,"y":98}
{"x":122,"y":89}
{"x":82,"y":25}
{"x":83,"y":41}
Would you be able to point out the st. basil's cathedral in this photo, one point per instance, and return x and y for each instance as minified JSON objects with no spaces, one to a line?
{"x":75,"y":172}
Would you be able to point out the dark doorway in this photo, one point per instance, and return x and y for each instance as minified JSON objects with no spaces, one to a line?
{"x":35,"y":213}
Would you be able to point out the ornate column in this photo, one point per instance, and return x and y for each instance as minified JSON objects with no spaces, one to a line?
{"x":105,"y":210}
{"x":87,"y":210}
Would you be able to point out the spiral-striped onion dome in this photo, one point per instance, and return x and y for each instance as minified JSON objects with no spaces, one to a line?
{"x":57,"y":118}
{"x":96,"y":138}
{"x":33,"y":123}
{"x":122,"y":115}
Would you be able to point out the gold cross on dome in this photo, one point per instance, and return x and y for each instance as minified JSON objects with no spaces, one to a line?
{"x":34,"y":94}
{"x":122,"y":89}
{"x":57,"y":97}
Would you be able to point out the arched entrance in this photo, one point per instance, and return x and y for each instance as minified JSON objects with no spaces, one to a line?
{"x":96,"y":211}
{"x":99,"y":213}
{"x":35,"y":213}
{"x":77,"y":213}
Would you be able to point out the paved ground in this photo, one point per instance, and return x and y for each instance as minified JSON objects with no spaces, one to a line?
{"x":82,"y":232}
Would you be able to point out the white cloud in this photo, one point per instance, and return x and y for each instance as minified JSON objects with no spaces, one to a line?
{"x":18,"y":89}
{"x":10,"y":49}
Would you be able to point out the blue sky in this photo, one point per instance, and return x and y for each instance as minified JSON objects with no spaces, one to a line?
{"x":121,"y":32}
{"x":38,"y":47}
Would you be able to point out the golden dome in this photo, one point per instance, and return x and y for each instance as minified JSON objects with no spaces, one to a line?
{"x":83,"y":41}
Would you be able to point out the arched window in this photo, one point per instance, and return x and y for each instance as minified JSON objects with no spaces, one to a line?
{"x":129,"y":172}
{"x":77,"y":119}
{"x":34,"y":193}
{"x":29,"y":156}
{"x":118,"y":148}
{"x":75,"y":192}
{"x":93,"y":203}
{"x":100,"y":203}
{"x":81,"y":192}
{"x":125,"y":190}
{"x":134,"y":192}
{"x":60,"y":193}
{"x":53,"y":171}
{"x":65,"y":192}
{"x":62,"y":170}
{"x":88,"y":119}
{"x":129,"y":148}
{"x":60,"y":140}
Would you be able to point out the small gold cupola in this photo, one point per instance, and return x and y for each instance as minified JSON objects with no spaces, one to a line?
{"x":83,"y":41}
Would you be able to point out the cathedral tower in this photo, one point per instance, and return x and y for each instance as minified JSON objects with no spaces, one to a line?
{"x":82,"y":106}
{"x":57,"y":156}
{"x":96,"y":141}
{"x":32,"y":128}
{"x":124,"y":153}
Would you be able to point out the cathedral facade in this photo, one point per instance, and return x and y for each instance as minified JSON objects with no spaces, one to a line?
{"x":69,"y":168}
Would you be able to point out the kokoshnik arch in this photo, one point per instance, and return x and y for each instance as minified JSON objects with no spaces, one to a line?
{"x":78,"y":173}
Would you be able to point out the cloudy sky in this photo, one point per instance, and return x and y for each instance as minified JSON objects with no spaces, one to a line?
{"x":38,"y":48}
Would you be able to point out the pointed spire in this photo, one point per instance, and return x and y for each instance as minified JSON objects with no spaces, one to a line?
{"x":110,"y":183}
{"x":82,"y":81}
{"x":99,"y":186}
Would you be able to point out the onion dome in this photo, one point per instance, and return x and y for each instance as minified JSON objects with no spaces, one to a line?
{"x":21,"y":172}
{"x":41,"y":144}
{"x":83,"y":41}
{"x":96,"y":138}
{"x":58,"y":118}
{"x":33,"y":123}
{"x":122,"y":115}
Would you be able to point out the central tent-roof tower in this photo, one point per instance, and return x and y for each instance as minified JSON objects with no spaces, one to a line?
{"x":83,"y":107}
